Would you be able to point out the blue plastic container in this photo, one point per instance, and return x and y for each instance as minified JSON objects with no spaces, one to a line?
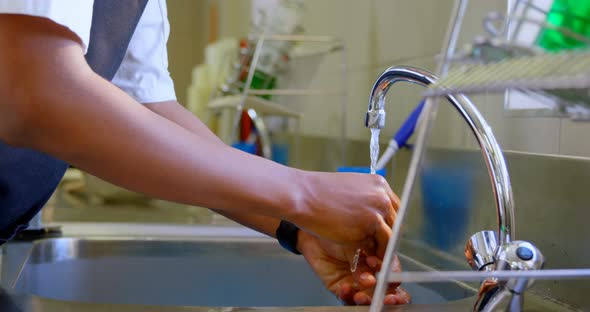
{"x":447,"y":195}
{"x":381,"y":172}
{"x":249,"y":148}
{"x":280,"y":153}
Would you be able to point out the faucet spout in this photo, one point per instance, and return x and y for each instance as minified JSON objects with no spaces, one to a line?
{"x":494,"y":160}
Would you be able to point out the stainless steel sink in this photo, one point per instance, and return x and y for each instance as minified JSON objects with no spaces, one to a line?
{"x":203,"y":272}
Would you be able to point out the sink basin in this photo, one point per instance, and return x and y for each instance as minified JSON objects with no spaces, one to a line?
{"x":203,"y":272}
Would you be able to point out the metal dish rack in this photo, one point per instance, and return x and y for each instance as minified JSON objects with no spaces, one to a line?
{"x":496,"y":63}
{"x":248,"y":60}
{"x":507,"y":59}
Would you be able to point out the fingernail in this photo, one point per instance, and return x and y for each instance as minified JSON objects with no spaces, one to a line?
{"x":390,"y":299}
{"x":365,"y":276}
{"x":363,"y":300}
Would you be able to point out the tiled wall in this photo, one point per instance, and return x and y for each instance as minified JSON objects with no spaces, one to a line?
{"x":381,"y":33}
{"x":188,"y":36}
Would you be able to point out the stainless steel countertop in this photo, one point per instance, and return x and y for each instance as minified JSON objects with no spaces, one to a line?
{"x":27,"y":303}
{"x":10,"y":303}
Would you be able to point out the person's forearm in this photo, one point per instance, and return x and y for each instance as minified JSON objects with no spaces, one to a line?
{"x":174,"y":112}
{"x":147,"y":153}
{"x":77,"y":116}
{"x":53,"y":102}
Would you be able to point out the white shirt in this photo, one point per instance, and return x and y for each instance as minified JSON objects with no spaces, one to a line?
{"x":143,"y":74}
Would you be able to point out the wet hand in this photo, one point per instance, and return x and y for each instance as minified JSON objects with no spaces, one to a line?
{"x":352,"y":209}
{"x":332,"y":263}
{"x":394,"y":294}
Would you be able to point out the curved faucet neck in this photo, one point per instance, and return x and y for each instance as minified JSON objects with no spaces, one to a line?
{"x":490,"y":148}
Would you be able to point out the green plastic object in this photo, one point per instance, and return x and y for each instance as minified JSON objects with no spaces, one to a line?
{"x":571,"y":14}
{"x":262,"y":81}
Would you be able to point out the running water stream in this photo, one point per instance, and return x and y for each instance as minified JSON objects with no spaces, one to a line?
{"x":374,"y":148}
{"x":374,"y":153}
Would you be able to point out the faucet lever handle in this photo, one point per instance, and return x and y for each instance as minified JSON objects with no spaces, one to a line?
{"x":519,"y":256}
{"x":480,"y":250}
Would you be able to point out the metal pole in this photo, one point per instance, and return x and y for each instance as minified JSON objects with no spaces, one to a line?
{"x":251,"y":71}
{"x":429,"y":111}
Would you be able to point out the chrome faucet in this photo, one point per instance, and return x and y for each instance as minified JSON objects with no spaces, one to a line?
{"x":260,"y":125}
{"x":486,"y":250}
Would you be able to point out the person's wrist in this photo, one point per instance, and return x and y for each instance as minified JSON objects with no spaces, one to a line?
{"x":298,"y":207}
{"x":303,"y":239}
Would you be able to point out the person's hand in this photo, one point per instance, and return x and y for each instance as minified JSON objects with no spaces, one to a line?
{"x":332,"y":262}
{"x":351,"y":209}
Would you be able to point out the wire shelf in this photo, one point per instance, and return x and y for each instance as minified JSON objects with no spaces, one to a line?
{"x":501,"y":60}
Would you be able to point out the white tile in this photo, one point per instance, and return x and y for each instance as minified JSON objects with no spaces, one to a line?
{"x":381,"y":33}
{"x":234,"y":18}
{"x":409,"y":29}
{"x":574,"y":138}
{"x":523,"y":134}
{"x":346,"y":19}
{"x":315,"y":73}
{"x":476,"y":12}
{"x":322,"y":114}
{"x":529,"y":134}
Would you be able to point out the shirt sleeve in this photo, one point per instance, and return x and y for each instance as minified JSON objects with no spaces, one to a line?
{"x":75,"y":15}
{"x":143,"y":74}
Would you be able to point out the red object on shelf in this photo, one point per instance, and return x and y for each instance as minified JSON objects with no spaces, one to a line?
{"x":245,"y":127}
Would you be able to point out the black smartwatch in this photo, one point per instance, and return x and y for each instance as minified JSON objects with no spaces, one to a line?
{"x":287,"y":235}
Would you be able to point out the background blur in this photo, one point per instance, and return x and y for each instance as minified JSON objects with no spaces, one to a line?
{"x":378,"y":34}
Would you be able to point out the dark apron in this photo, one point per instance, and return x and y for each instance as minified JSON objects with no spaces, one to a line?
{"x":27,"y":177}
